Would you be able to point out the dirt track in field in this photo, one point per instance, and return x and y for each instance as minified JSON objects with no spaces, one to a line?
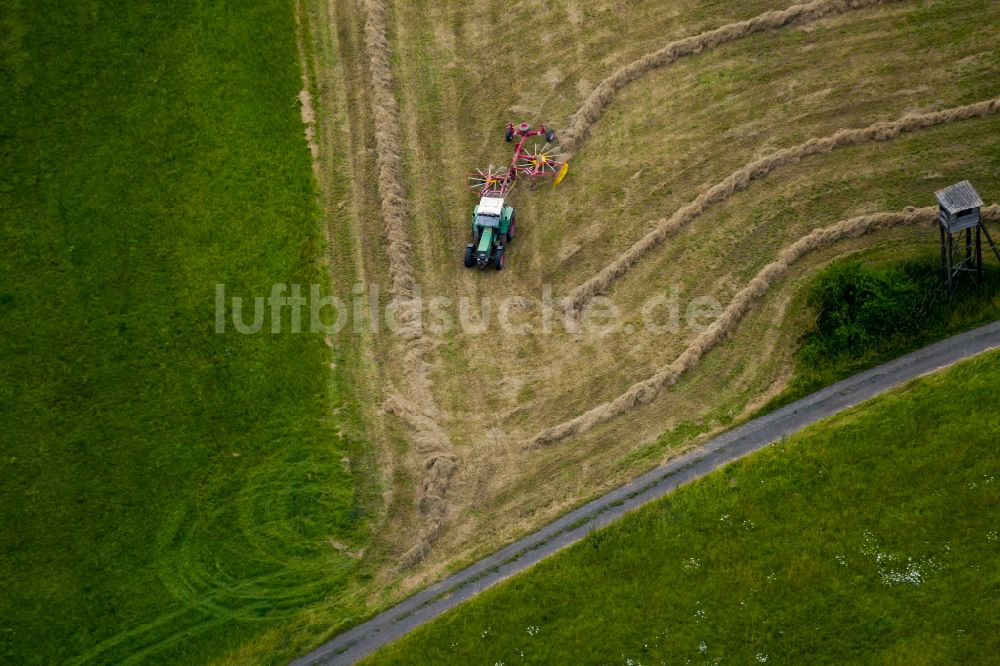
{"x":645,"y":391}
{"x":740,"y":179}
{"x":580,"y":123}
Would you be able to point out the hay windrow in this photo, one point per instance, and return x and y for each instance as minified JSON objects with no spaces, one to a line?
{"x":385,"y":113}
{"x":580,"y":123}
{"x":741,"y":179}
{"x":646,"y":391}
{"x":417,"y":408}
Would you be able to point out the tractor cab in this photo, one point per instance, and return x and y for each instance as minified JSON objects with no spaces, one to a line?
{"x":492,"y":228}
{"x":484,"y":221}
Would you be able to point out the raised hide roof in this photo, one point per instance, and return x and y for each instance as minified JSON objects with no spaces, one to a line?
{"x":959,"y":197}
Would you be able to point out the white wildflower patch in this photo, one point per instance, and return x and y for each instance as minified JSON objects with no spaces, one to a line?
{"x":532,"y":630}
{"x":724,"y":519}
{"x":690,"y":564}
{"x":761,"y":658}
{"x":912,"y":574}
{"x":486,"y":632}
{"x":985,"y":481}
{"x":896,"y":569}
{"x":842,"y":560}
{"x":992,"y":536}
{"x":703,"y":647}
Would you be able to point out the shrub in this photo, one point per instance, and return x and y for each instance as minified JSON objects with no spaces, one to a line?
{"x":866,"y":315}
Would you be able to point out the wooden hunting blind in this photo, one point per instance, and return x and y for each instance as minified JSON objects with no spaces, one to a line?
{"x":958,"y":216}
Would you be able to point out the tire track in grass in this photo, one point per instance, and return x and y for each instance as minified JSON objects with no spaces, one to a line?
{"x":590,"y":111}
{"x":644,"y":392}
{"x":417,"y":407}
{"x":741,"y":178}
{"x":293,"y":569}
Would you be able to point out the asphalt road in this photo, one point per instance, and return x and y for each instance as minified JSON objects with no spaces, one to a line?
{"x":367,"y":637}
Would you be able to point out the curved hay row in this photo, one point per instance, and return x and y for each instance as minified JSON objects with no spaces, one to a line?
{"x":645,"y":391}
{"x":741,"y":179}
{"x":417,"y":408}
{"x":581,"y":121}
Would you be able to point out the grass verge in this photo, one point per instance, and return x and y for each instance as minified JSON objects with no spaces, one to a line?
{"x":870,"y":536}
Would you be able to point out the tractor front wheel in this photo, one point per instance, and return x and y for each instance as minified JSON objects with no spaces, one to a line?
{"x":498,"y":260}
{"x":470,"y":256}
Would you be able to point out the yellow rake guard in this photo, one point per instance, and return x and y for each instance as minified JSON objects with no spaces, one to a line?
{"x":563,"y":170}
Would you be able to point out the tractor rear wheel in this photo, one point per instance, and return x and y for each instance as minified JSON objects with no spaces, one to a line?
{"x":498,"y":260}
{"x":510,"y":227}
{"x":470,"y":256}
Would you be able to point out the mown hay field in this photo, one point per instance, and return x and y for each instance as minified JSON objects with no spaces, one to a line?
{"x":461,"y":71}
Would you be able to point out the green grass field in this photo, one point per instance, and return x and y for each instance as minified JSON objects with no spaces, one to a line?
{"x":166,"y":493}
{"x":852,"y":541}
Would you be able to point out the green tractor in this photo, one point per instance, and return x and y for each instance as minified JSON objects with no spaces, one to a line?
{"x":493,"y":225}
